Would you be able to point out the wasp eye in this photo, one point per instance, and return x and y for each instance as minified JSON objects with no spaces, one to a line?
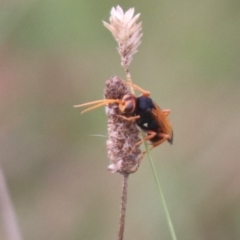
{"x":129,"y":106}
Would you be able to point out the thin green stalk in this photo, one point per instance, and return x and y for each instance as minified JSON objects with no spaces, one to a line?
{"x":169,"y":221}
{"x":162,"y":198}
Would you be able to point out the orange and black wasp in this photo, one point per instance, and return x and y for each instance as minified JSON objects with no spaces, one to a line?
{"x":145,"y":112}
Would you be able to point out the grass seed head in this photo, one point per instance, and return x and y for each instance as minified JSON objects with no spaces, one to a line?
{"x":122,"y":134}
{"x":126,"y":31}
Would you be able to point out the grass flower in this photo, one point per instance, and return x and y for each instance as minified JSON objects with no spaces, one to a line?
{"x":126,"y":31}
{"x":122,"y":134}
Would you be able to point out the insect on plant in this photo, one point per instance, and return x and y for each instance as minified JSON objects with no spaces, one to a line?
{"x":144,"y":111}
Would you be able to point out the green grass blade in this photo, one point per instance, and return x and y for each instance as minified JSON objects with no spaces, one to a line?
{"x":162,"y":198}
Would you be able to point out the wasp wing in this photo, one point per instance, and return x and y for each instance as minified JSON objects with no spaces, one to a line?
{"x":162,"y":121}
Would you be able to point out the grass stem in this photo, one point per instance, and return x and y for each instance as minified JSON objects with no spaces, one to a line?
{"x":123,"y":207}
{"x":162,"y":198}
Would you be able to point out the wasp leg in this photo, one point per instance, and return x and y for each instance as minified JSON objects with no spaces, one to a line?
{"x":143,"y":154}
{"x":164,"y":137}
{"x":133,"y":118}
{"x":144,"y":92}
{"x":150,"y":135}
{"x":98,"y":103}
{"x":166,"y":112}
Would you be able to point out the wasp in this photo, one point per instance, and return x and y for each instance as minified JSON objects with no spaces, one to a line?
{"x":144,"y":111}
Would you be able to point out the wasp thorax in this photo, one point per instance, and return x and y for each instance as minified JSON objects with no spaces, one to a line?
{"x":128,"y":103}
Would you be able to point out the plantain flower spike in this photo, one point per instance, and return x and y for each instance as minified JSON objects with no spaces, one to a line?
{"x":126,"y":31}
{"x":124,"y":156}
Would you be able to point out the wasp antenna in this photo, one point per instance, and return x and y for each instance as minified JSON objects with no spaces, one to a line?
{"x":89,"y":103}
{"x":91,"y":108}
{"x":104,"y":101}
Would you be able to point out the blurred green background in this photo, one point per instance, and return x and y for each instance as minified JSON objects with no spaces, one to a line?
{"x":54,"y":54}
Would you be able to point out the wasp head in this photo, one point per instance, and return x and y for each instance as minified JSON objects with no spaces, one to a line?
{"x":128,"y":103}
